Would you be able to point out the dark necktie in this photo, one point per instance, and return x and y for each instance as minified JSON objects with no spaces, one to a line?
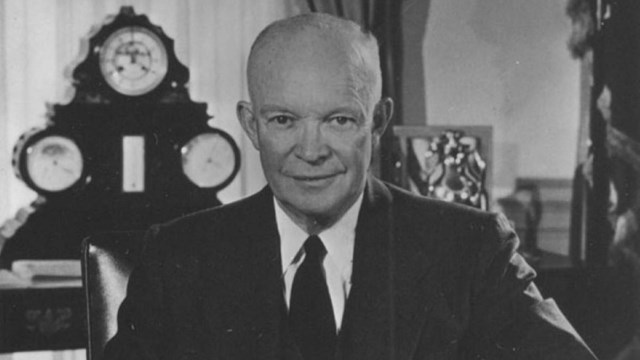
{"x":310,"y":312}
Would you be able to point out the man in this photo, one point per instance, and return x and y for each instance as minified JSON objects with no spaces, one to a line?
{"x":328,"y":262}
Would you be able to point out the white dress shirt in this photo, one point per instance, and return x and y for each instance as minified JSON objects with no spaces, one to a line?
{"x":338,"y":263}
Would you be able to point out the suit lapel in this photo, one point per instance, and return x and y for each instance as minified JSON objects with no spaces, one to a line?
{"x":245,"y":284}
{"x":367,"y":319}
{"x":394,"y":286}
{"x":266,"y":271}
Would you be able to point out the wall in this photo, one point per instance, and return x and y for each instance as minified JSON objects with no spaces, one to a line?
{"x":505,"y":63}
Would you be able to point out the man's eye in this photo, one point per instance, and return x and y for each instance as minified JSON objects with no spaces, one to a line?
{"x":342,"y":120}
{"x":281,"y":119}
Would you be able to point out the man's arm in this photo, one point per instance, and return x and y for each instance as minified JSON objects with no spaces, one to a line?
{"x":509,"y":318}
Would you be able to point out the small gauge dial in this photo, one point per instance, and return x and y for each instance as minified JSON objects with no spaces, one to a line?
{"x":54,"y":163}
{"x":210,"y":160}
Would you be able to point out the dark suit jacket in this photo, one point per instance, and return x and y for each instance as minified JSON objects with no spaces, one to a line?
{"x":431,"y":280}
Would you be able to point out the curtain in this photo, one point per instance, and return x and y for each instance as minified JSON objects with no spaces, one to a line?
{"x":40,"y":41}
{"x":610,"y":31}
{"x":619,"y":60}
{"x":383,"y":19}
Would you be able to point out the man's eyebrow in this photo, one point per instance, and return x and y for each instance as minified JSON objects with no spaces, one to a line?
{"x":269,"y":108}
{"x":346,"y":109}
{"x":355,"y":110}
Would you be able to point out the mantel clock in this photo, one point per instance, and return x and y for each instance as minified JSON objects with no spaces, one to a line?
{"x":133,"y":60}
{"x":129,"y":150}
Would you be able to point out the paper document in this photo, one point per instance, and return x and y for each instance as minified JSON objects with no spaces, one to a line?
{"x":47,"y":268}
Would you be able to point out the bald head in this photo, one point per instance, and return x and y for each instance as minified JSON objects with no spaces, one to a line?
{"x":315,"y":40}
{"x":315,"y":115}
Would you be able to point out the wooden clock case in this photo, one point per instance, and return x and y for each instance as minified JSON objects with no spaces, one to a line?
{"x":97,"y":119}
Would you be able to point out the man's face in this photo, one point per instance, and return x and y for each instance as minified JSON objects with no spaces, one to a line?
{"x":314,"y":128}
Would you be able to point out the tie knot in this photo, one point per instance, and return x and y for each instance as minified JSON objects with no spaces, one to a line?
{"x":314,"y":248}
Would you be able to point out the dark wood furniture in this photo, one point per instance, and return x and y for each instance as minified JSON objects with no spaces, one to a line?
{"x":107,"y":262}
{"x":47,"y":315}
{"x":139,"y":149}
{"x":597,"y":301}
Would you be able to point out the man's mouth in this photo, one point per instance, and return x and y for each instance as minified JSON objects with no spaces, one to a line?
{"x":312,"y":178}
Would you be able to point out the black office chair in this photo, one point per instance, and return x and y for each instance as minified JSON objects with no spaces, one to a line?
{"x":107,"y":262}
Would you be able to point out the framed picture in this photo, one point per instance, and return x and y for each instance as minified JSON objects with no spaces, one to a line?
{"x":452,"y":163}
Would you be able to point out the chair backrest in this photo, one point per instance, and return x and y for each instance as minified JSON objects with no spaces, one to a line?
{"x":107,"y":262}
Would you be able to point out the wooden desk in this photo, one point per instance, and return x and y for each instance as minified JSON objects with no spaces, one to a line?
{"x":43,"y":315}
{"x":597,"y":301}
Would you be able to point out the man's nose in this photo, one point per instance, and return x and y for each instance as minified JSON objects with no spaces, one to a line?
{"x":311,"y":146}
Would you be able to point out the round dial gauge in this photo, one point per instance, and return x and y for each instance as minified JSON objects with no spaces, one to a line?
{"x":54,"y":163}
{"x":133,"y":60}
{"x":210,"y":160}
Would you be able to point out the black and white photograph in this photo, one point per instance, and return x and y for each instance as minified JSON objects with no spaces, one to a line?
{"x":319,"y":179}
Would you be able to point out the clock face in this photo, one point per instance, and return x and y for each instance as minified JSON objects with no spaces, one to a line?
{"x":133,"y":60}
{"x":210,"y":160}
{"x":54,"y":163}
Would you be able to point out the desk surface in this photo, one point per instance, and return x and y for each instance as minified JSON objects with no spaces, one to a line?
{"x":50,"y":315}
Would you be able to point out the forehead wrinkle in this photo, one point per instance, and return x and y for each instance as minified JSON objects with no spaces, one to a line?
{"x":345,"y":69}
{"x":296,"y":93}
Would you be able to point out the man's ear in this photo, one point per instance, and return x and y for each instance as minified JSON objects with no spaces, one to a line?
{"x":382,"y":115}
{"x":248,"y":121}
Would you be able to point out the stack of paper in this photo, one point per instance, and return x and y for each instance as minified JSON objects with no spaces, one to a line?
{"x":31,"y":269}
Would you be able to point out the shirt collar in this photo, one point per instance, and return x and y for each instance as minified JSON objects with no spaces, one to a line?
{"x":339,"y":239}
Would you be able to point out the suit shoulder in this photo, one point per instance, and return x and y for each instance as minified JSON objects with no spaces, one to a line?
{"x":463,"y":224}
{"x":406,"y":201}
{"x":193,"y":229}
{"x":207,"y":216}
